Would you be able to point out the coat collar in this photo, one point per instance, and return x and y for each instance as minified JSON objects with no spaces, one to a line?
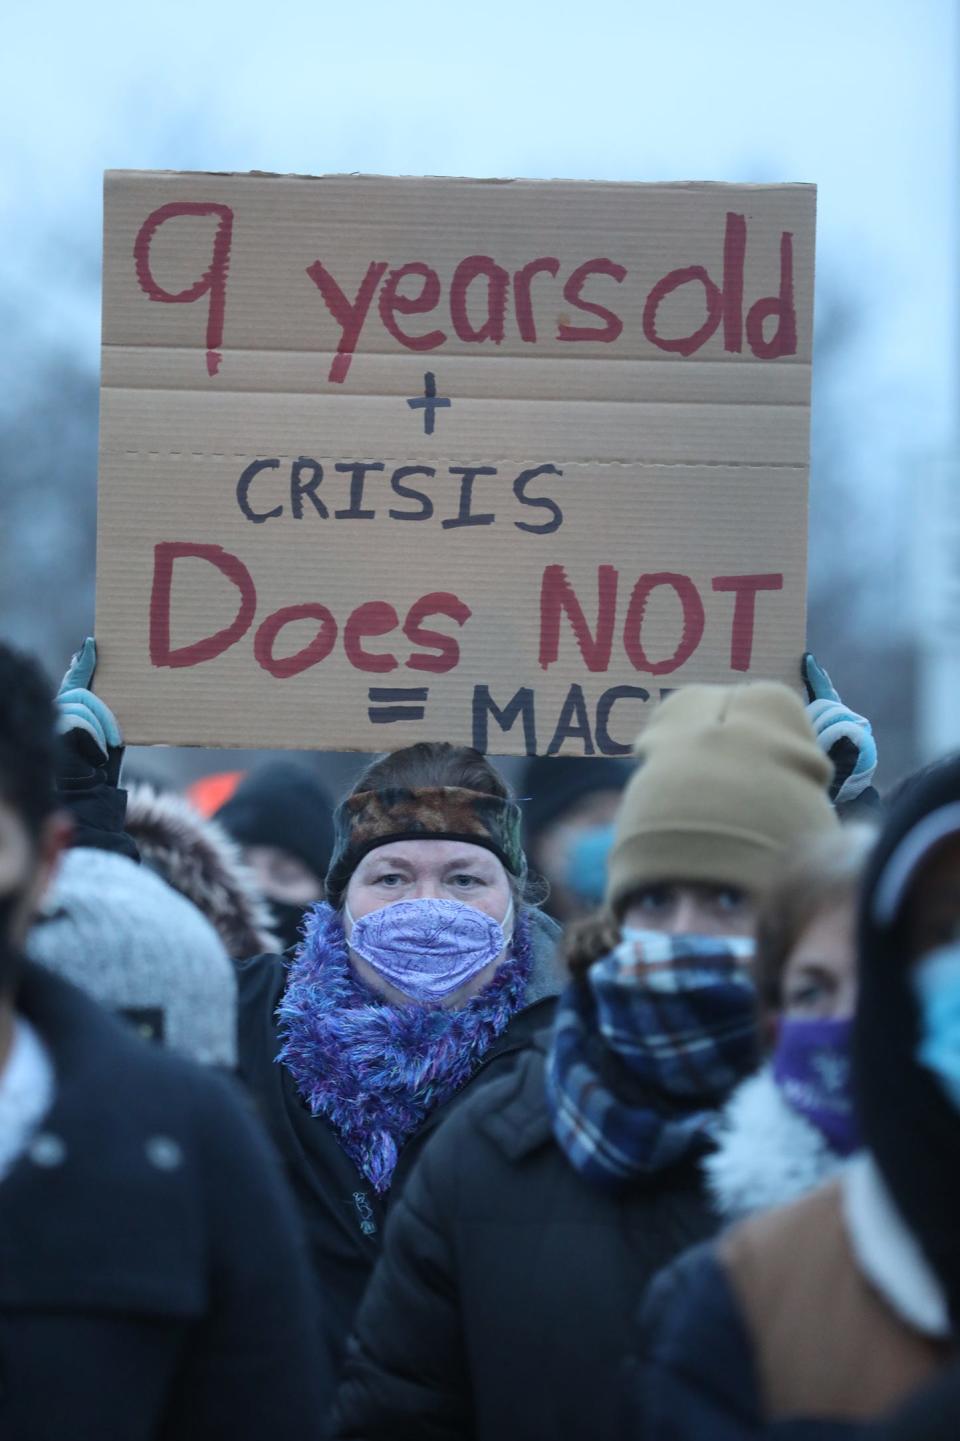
{"x":888,"y":1253}
{"x":766,"y":1155}
{"x":522,"y":1123}
{"x":516,"y":1116}
{"x":546,"y":977}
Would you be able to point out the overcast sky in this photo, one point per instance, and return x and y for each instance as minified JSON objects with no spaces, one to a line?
{"x":859,"y":97}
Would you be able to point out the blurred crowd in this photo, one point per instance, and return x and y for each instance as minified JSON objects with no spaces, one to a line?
{"x":625,"y":1106}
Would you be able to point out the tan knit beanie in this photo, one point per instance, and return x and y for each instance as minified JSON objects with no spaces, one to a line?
{"x":729,"y":778}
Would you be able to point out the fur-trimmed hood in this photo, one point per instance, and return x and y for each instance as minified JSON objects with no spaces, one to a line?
{"x":767,"y":1154}
{"x":197,"y":858}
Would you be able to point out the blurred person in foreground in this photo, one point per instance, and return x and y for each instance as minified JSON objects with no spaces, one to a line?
{"x":569,"y":807}
{"x":931,"y":1414}
{"x":794,"y":1123}
{"x":110,"y":922}
{"x":824,"y":1315}
{"x":151,"y":1266}
{"x":540,"y":1211}
{"x":120,"y":933}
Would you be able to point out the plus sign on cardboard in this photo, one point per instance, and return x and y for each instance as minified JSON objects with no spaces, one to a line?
{"x":495,"y":462}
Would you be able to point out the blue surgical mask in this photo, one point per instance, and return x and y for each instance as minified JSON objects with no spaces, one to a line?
{"x":936,"y":985}
{"x":586,"y":866}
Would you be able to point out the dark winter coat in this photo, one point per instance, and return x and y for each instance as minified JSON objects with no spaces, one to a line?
{"x":690,"y":1373}
{"x":507,"y":1285}
{"x":151,"y":1261}
{"x":932,"y":1415}
{"x":343,"y":1214}
{"x":820,"y":1316}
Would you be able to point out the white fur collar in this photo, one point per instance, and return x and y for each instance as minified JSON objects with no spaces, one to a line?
{"x":767,"y":1154}
{"x":887,"y":1253}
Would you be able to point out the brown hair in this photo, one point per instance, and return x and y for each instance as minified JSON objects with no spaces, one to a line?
{"x":817,"y":876}
{"x":588,"y":940}
{"x":429,"y":764}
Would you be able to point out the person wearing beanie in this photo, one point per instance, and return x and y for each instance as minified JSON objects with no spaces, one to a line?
{"x":569,"y":805}
{"x":728,"y":778}
{"x":120,"y":933}
{"x":537,"y":1215}
{"x":152,"y":1267}
{"x":196,"y":857}
{"x":838,"y":1309}
{"x":281,"y":818}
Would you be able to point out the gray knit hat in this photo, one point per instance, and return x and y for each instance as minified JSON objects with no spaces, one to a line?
{"x":121,"y":934}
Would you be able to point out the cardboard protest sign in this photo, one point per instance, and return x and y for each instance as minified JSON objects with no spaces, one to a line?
{"x":390,"y":460}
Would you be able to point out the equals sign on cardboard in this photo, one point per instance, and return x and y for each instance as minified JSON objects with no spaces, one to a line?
{"x":388,"y":705}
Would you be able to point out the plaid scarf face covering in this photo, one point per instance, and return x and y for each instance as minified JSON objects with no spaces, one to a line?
{"x":646,"y":1049}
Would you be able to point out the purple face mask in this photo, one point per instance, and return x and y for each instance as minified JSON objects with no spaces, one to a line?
{"x":428,"y":948}
{"x":812,"y":1065}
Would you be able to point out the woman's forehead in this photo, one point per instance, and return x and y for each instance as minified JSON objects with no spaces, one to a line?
{"x":431,"y":855}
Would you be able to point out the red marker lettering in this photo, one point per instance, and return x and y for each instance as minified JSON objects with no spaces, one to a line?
{"x":349,"y":314}
{"x":745,"y":588}
{"x":437,"y":603}
{"x":213,"y":281}
{"x":165,"y":554}
{"x":613,"y":325}
{"x":694,"y":620}
{"x":557,"y":596}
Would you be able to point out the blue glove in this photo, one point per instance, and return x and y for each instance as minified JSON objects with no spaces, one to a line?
{"x":847,"y":738}
{"x":78,"y":709}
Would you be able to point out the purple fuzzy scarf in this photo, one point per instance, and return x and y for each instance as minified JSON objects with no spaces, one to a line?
{"x":377,"y":1070}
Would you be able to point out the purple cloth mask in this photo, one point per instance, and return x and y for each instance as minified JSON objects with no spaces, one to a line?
{"x":428,"y":948}
{"x":813,"y":1066}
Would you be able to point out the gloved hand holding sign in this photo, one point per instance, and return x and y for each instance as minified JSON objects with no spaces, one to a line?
{"x":847,"y":738}
{"x":90,"y":756}
{"x":78,"y":709}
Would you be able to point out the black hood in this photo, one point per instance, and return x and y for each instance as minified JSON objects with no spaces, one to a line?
{"x":908,"y":1123}
{"x":282,"y":804}
{"x":551,"y":785}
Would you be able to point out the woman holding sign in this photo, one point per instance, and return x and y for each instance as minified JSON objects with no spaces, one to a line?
{"x":425,"y":971}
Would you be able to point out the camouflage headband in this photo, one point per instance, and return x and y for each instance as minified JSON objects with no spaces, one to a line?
{"x":442,"y":813}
